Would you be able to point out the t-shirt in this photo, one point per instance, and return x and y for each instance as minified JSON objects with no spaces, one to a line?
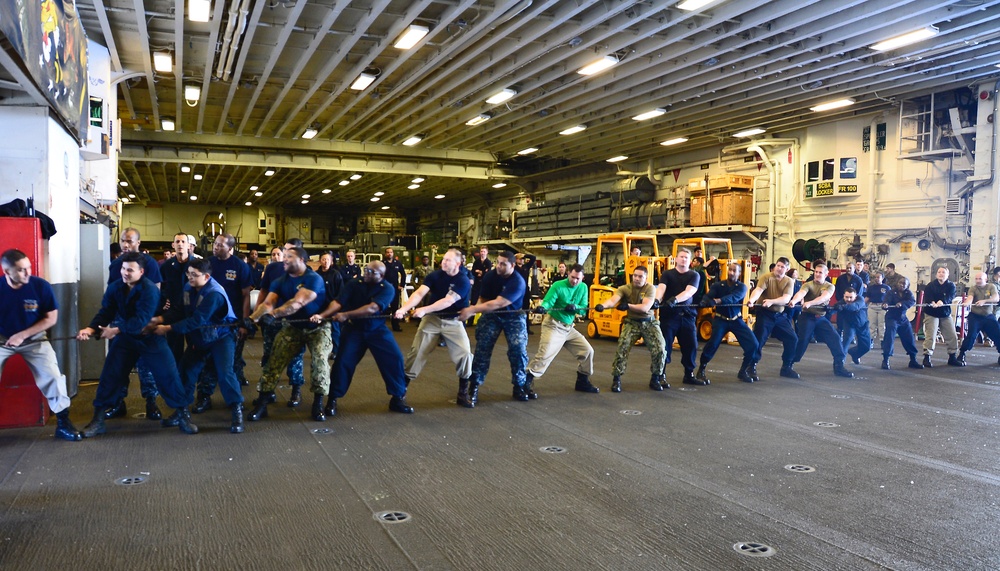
{"x":150,"y":269}
{"x":395,"y":273}
{"x":174,"y":274}
{"x":774,"y":288}
{"x":560,"y":295}
{"x":676,"y":283}
{"x":635,"y":295}
{"x":357,"y":293}
{"x":980,"y":293}
{"x":333,"y":281}
{"x":816,"y":290}
{"x":233,"y":274}
{"x":287,"y":286}
{"x":876,"y":293}
{"x":440,"y":284}
{"x":510,"y":288}
{"x":273,"y":271}
{"x":25,"y":306}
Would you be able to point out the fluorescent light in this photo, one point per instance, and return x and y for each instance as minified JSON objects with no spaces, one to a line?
{"x":833,"y":105}
{"x":198,"y":177}
{"x":310,"y":133}
{"x":650,"y":114}
{"x":344,"y":182}
{"x":439,"y":196}
{"x":692,"y":4}
{"x":479,"y":119}
{"x":193,"y":197}
{"x":254,"y":187}
{"x":269,"y":172}
{"x":192,"y":93}
{"x":500,"y":185}
{"x":385,"y":208}
{"x":573,"y":130}
{"x":375,"y":199}
{"x":906,"y":39}
{"x":528,"y":151}
{"x":258,"y":193}
{"x":363,"y":81}
{"x":199,"y":10}
{"x":355,"y":176}
{"x":326,"y":191}
{"x":599,"y":65}
{"x":163,"y":62}
{"x":306,"y":196}
{"x":418,"y":180}
{"x":183,"y":191}
{"x":411,"y":36}
{"x":413,"y":186}
{"x":305,"y":202}
{"x":185,"y":168}
{"x":749,"y":132}
{"x":413,"y":140}
{"x":123,"y":183}
{"x":674,"y":141}
{"x":248,"y":203}
{"x":617,"y":159}
{"x":502,"y":96}
{"x":131,"y":195}
{"x":380,"y":193}
{"x":124,"y":199}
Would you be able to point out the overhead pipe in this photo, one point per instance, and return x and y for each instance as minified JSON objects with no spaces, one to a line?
{"x":772,"y":194}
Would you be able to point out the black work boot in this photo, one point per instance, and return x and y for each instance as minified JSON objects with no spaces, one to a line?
{"x":203,"y":403}
{"x":752,"y":372}
{"x":184,"y":421}
{"x":317,"y":408}
{"x":700,"y":379}
{"x":885,"y":363}
{"x":841,"y":371}
{"x":927,"y":362}
{"x":654,"y":383}
{"x":616,"y":383}
{"x":463,"y":393}
{"x":117,"y":411}
{"x":64,"y":427}
{"x":519,"y":394}
{"x":788,"y":372}
{"x":955,"y":361}
{"x":584,"y":385}
{"x":473,"y":395}
{"x":296,"y":398}
{"x":330,"y":410}
{"x":237,"y":426}
{"x":529,"y":385}
{"x":96,"y":426}
{"x":260,"y":407}
{"x":913,"y":364}
{"x":744,"y":374}
{"x":152,"y":411}
{"x":398,"y":404}
{"x":172,"y":420}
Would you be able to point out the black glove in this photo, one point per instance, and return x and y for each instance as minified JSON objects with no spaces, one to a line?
{"x":266,"y":320}
{"x":250,"y":326}
{"x":670,"y":301}
{"x":570,"y":307}
{"x":752,"y":309}
{"x":656,"y":304}
{"x":622,"y":306}
{"x":598,"y":308}
{"x":540,"y":310}
{"x":839,"y":306}
{"x":707,"y":302}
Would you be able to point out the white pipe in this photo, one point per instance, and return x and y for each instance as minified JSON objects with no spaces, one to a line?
{"x":652,"y":174}
{"x":227,"y":38}
{"x":234,"y":45}
{"x":772,"y":193}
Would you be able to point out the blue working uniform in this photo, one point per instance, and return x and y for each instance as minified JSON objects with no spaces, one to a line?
{"x":296,"y":375}
{"x":813,"y":321}
{"x":729,"y":318}
{"x":852,"y":318}
{"x":130,"y":309}
{"x":233,"y":275}
{"x":677,"y":320}
{"x":512,"y":325}
{"x":369,"y":334}
{"x":151,"y":272}
{"x":202,"y":308}
{"x":896,"y":322}
{"x":350,"y":272}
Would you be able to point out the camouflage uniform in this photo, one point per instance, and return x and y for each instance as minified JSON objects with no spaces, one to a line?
{"x":516,"y":332}
{"x":636,"y":325}
{"x":289,"y":344}
{"x":295,"y":373}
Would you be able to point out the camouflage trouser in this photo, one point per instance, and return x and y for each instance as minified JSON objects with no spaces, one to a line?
{"x":295,"y":374}
{"x":291,"y":341}
{"x":209,"y":379}
{"x":488,"y":331}
{"x":632,"y":330}
{"x":147,"y":385}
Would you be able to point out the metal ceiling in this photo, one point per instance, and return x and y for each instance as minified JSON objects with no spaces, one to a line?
{"x":730,"y":65}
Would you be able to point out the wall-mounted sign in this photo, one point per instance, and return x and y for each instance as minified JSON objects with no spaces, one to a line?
{"x":849,"y":167}
{"x":880,"y":137}
{"x":847,"y":189}
{"x":905,"y":247}
{"x":866,"y":139}
{"x":824,"y":189}
{"x":704,"y":167}
{"x":809,"y":191}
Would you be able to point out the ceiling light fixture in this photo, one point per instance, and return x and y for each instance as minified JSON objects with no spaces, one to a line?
{"x":185,"y":168}
{"x":501,"y":96}
{"x":599,"y":65}
{"x":375,"y":199}
{"x":411,"y":36}
{"x":413,"y":140}
{"x":248,"y":203}
{"x":254,"y":187}
{"x":693,"y":4}
{"x":193,"y":197}
{"x":199,"y":10}
{"x":674,"y":141}
{"x":418,"y":180}
{"x":167,"y":123}
{"x":192,"y":95}
{"x":305,"y":202}
{"x":833,"y":105}
{"x":528,"y":151}
{"x":649,"y":114}
{"x":439,"y":196}
{"x":344,"y":182}
{"x":380,"y":193}
{"x":906,"y":39}
{"x":123,"y":183}
{"x":124,"y":199}
{"x":198,"y":177}
{"x":355,"y":176}
{"x":749,"y":133}
{"x":183,"y":191}
{"x":310,"y":133}
{"x":573,"y":130}
{"x":269,"y":172}
{"x":326,"y":191}
{"x":617,"y":159}
{"x":306,"y":196}
{"x":385,"y":208}
{"x":163,"y":62}
{"x":131,"y":195}
{"x":500,"y":185}
{"x":258,"y":193}
{"x":479,"y":119}
{"x":363,"y":81}
{"x":413,"y":186}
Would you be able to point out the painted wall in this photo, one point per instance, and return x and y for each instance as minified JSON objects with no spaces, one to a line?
{"x":159,"y":222}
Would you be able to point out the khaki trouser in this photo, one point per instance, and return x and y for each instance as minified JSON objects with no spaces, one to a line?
{"x":426,"y":339}
{"x":41,"y":360}
{"x":555,"y":336}
{"x":947,"y":327}
{"x":876,"y":321}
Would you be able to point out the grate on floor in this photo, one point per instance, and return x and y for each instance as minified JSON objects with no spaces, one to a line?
{"x":822,"y":424}
{"x":801,"y":468}
{"x":754,"y":549}
{"x":131,"y":480}
{"x":392,"y":516}
{"x":631,"y":412}
{"x":553,"y":449}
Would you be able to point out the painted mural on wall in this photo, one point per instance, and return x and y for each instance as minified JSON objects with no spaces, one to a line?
{"x":50,"y":39}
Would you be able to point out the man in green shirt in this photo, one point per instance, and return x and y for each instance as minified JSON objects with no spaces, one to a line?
{"x":566,"y":298}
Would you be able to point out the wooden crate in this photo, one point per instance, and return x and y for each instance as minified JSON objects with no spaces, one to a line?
{"x":721,"y":182}
{"x":699,"y":216}
{"x":727,"y":208}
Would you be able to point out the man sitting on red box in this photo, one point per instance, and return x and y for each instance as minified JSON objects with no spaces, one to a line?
{"x":28,"y":309}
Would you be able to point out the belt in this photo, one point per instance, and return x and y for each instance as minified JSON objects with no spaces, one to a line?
{"x":734,"y":318}
{"x":637,"y":320}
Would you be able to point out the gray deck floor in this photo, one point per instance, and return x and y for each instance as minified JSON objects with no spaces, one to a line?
{"x":908,"y":479}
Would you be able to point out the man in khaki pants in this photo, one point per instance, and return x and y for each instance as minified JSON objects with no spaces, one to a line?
{"x":937,"y":316}
{"x":449,"y":294}
{"x":566,"y":298}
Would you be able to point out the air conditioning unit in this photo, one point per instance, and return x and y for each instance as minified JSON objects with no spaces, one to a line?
{"x":954,"y":206}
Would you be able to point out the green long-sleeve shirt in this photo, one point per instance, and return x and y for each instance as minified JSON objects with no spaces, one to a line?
{"x":560,"y":295}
